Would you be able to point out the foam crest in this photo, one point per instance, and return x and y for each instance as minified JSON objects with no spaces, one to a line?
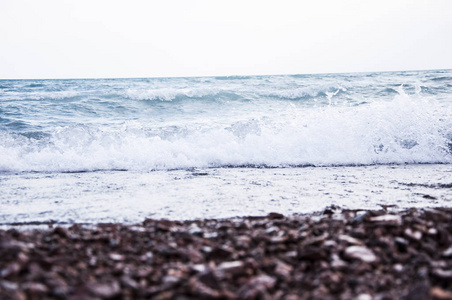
{"x":305,"y":92}
{"x":408,"y":129}
{"x":39,"y":95}
{"x":169,"y":94}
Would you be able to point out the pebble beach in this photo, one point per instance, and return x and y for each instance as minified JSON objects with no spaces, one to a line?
{"x":335,"y":254}
{"x":303,"y":186}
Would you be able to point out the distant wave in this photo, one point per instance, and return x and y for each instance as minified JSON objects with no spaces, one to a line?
{"x":34,"y":85}
{"x":254,"y":92}
{"x":236,"y":77}
{"x":169,"y":94}
{"x":41,"y":95}
{"x":305,"y":92}
{"x":442,"y":78}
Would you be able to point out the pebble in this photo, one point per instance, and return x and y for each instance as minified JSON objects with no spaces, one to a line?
{"x":387,"y":220}
{"x":360,"y":252}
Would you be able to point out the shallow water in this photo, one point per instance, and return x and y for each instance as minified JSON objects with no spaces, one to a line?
{"x":117,"y":196}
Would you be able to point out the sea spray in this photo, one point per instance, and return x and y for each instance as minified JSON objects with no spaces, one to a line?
{"x":408,"y":129}
{"x":254,"y":121}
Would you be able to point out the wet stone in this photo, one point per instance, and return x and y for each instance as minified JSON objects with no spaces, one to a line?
{"x":447,"y":253}
{"x":116,"y":256}
{"x":128,"y":282}
{"x":200,"y":290}
{"x":360,"y":252}
{"x":350,"y":240}
{"x":402,"y":244}
{"x":165,"y":225}
{"x":220,"y":253}
{"x":440,"y":294}
{"x":395,"y":220}
{"x":209,"y":279}
{"x":194,"y":229}
{"x":34,"y":288}
{"x":7,"y":285}
{"x":443,"y":274}
{"x":231,"y":267}
{"x":413,"y":234}
{"x":360,"y":217}
{"x":311,"y":253}
{"x":257,"y":287}
{"x":283,"y":270}
{"x":274,"y":216}
{"x":105,"y":290}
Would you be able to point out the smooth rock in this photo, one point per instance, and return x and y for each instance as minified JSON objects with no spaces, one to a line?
{"x":387,"y":219}
{"x":360,"y":252}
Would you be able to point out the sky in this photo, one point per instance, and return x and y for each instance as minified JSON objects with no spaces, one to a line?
{"x":172,"y":38}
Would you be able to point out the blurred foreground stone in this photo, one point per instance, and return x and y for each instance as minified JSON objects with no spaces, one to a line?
{"x":334,"y":255}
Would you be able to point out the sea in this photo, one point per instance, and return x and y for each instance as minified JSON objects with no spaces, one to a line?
{"x":122,"y":150}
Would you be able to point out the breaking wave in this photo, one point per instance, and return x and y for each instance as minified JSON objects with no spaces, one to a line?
{"x":408,"y":129}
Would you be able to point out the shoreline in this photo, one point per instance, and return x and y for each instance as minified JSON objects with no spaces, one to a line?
{"x":328,"y":210}
{"x":337,"y":254}
{"x":130,"y":197}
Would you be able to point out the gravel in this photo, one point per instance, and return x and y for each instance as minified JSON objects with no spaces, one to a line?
{"x":339,"y":254}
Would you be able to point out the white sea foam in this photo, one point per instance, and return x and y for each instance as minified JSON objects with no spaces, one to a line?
{"x":408,"y":129}
{"x":168,"y":94}
{"x":303,"y":92}
{"x":107,"y":196}
{"x":40,"y":95}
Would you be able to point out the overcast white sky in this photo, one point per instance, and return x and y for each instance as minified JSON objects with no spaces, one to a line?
{"x":138,"y":38}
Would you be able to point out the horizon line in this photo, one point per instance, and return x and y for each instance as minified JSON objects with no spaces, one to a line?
{"x":223,"y":76}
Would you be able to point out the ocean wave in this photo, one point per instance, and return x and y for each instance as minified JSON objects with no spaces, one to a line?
{"x":234,"y":77}
{"x":442,"y":78}
{"x":35,"y":85}
{"x":307,"y":92}
{"x":41,"y":95}
{"x":408,"y":129}
{"x":169,"y":94}
{"x":389,"y":91}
